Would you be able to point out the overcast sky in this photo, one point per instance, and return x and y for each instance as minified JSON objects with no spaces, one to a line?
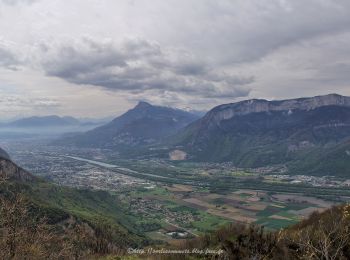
{"x":94,"y":58}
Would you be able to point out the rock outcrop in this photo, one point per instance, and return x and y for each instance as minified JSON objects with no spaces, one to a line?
{"x":228,"y":111}
{"x":10,"y":171}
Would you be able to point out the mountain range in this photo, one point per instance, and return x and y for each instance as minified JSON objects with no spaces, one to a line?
{"x":44,"y":121}
{"x":310,"y":135}
{"x":143,"y":125}
{"x":49,"y":126}
{"x":305,"y":135}
{"x":53,"y":121}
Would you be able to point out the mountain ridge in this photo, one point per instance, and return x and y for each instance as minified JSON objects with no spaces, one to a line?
{"x":227,"y":111}
{"x":44,"y":121}
{"x":259,"y":133}
{"x":141,"y":125}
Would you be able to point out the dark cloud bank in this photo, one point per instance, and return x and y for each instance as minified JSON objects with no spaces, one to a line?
{"x":137,"y":66}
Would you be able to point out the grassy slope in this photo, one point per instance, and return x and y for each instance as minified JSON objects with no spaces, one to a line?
{"x":333,"y":160}
{"x":97,"y":208}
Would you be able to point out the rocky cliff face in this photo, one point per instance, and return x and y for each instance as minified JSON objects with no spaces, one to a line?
{"x":303,"y":133}
{"x":4,"y":154}
{"x":228,"y":111}
{"x":10,"y":171}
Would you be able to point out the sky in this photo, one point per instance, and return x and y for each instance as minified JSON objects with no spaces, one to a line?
{"x":97,"y":58}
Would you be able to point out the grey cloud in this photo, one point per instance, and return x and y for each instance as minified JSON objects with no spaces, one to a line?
{"x":180,"y":62}
{"x":19,"y":102}
{"x":245,"y":31}
{"x":187,"y":67}
{"x":71,"y":62}
{"x":15,"y":2}
{"x":7,"y":58}
{"x":190,"y":69}
{"x":45,"y":103}
{"x":137,"y":66}
{"x":175,"y":99}
{"x":339,"y":72}
{"x":229,"y":79}
{"x":195,"y":52}
{"x":135,"y":48}
{"x":230,"y":92}
{"x":318,"y":66}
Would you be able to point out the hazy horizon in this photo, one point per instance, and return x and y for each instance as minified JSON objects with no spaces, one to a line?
{"x":106,"y":118}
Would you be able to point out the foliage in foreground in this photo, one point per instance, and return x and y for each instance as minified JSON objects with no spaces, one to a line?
{"x":29,"y":231}
{"x":322,"y":236}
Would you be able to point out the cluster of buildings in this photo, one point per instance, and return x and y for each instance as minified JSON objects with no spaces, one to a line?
{"x":151,"y":208}
{"x":324,"y":181}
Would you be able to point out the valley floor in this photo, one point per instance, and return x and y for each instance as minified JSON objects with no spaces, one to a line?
{"x":171,"y":201}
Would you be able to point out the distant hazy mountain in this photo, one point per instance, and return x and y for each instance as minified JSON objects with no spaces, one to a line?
{"x":44,"y":121}
{"x":310,"y":135}
{"x":199,"y":113}
{"x":144,"y":124}
{"x":95,"y":121}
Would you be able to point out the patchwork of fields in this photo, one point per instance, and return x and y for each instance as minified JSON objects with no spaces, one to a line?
{"x":192,"y":211}
{"x":248,"y":206}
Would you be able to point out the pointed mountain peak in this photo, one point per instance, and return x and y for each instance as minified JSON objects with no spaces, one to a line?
{"x":143,"y":104}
